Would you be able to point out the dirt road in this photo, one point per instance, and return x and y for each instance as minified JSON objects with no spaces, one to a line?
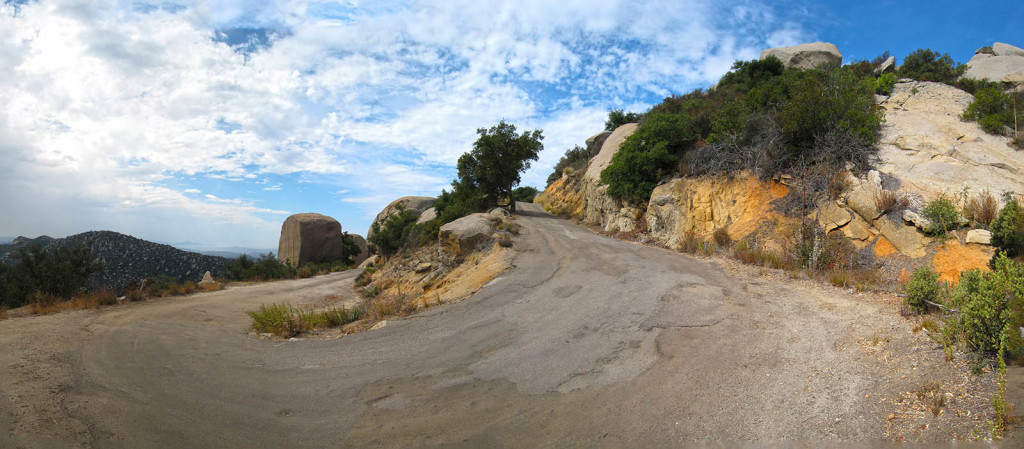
{"x":586,"y":341}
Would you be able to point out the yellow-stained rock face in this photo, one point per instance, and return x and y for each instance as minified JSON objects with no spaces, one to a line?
{"x":563,"y":197}
{"x":739,"y":204}
{"x":954,"y":258}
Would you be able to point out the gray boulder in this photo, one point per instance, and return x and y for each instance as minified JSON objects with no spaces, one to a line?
{"x":979,"y":236}
{"x":465,"y":235}
{"x":309,"y":237}
{"x":888,"y":66}
{"x":417,"y":204}
{"x":427,"y":215}
{"x":806,"y":56}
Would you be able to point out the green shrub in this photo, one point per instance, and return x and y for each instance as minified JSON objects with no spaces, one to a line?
{"x":990,"y":303}
{"x":60,"y":272}
{"x":943,"y":215}
{"x":649,"y":155}
{"x":992,"y":109}
{"x":922,"y":286}
{"x":1008,"y":229}
{"x":927,"y":65}
{"x":392,"y":233}
{"x":885,"y":83}
{"x":574,"y":158}
{"x":746,"y":75}
{"x":266,"y":268}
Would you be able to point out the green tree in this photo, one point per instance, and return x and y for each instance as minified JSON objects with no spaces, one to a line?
{"x":525,"y":194}
{"x":617,"y":118}
{"x":349,"y":249}
{"x":926,"y":65}
{"x":498,"y":158}
{"x":575,"y":158}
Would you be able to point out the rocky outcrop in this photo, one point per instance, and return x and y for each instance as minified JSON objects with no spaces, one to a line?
{"x":598,"y":207}
{"x":364,"y":250}
{"x":702,"y":205}
{"x":417,"y":204}
{"x":463,"y":236}
{"x":427,"y":215}
{"x":1000,"y":63}
{"x":887,"y":66}
{"x":595,"y":142}
{"x":806,"y":56}
{"x":926,"y":146}
{"x":309,"y":237}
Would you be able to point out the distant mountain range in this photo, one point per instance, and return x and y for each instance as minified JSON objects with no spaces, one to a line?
{"x":127,"y":259}
{"x":230,"y":252}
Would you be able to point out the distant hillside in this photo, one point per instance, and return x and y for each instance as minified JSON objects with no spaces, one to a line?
{"x":6,"y":240}
{"x":128,"y":259}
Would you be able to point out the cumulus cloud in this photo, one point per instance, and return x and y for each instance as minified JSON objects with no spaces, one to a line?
{"x":102,"y":103}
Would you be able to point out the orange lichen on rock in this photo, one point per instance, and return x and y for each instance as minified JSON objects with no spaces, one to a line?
{"x":883,"y":248}
{"x":954,"y":258}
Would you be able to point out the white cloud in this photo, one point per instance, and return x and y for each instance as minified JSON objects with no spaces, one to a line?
{"x":100,"y":103}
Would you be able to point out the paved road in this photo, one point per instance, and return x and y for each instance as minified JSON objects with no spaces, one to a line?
{"x":586,"y":341}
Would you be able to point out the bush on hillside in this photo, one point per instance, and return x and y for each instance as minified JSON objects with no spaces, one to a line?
{"x":575,"y":158}
{"x":349,"y":249}
{"x":926,"y":65}
{"x":392,"y":233}
{"x":990,"y":305}
{"x":59,"y":272}
{"x":994,"y":110}
{"x":943,"y":215}
{"x":885,"y":83}
{"x":1008,"y":229}
{"x":923,"y":286}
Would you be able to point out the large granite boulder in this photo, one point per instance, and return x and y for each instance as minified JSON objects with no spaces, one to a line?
{"x":465,"y":235}
{"x":806,"y":56}
{"x":309,"y":237}
{"x":417,"y":204}
{"x":1000,"y":63}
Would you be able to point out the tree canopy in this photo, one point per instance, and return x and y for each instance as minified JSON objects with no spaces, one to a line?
{"x":499,"y":156}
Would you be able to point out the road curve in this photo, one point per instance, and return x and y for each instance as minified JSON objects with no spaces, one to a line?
{"x":586,"y":341}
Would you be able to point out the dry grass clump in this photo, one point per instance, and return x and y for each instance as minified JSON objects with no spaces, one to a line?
{"x":888,"y":201}
{"x":721,"y":237}
{"x":981,"y":209}
{"x":692,"y":244}
{"x":3,"y":312}
{"x":286,"y":321}
{"x":45,"y":303}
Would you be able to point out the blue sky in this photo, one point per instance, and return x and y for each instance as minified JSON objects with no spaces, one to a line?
{"x":211,"y":122}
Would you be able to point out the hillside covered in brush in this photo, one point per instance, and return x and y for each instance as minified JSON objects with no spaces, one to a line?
{"x":125,"y":259}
